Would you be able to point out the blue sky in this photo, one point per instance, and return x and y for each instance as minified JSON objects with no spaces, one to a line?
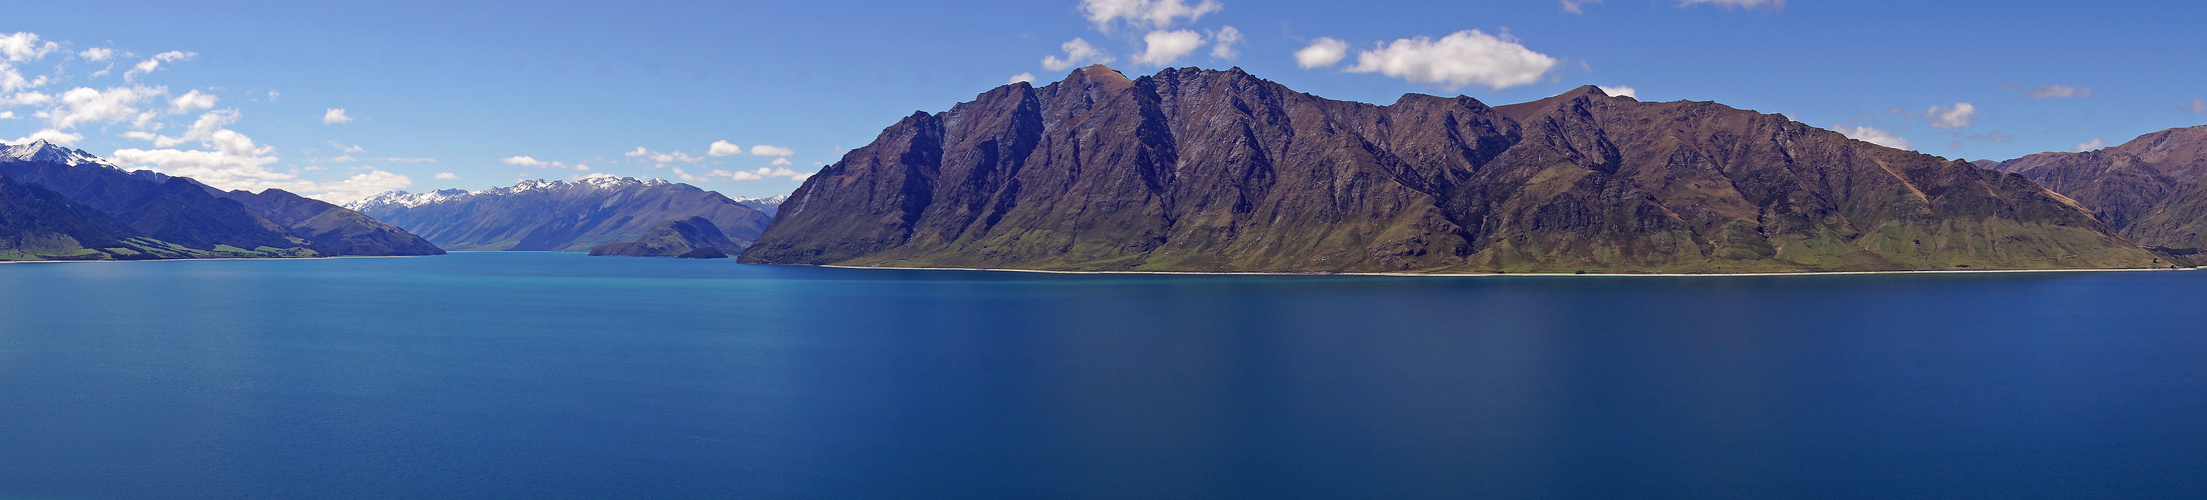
{"x":471,"y":96}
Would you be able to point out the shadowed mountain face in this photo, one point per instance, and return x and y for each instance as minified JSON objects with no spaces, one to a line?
{"x":331,"y":229}
{"x":176,"y":217}
{"x":2152,"y":189}
{"x":39,"y":224}
{"x":695,"y":237}
{"x":559,"y":216}
{"x":1194,"y":170}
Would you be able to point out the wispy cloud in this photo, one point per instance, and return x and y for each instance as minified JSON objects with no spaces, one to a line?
{"x":2051,"y":91}
{"x":1874,"y":136}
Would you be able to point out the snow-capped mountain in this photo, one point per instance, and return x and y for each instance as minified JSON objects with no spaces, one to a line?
{"x":73,"y":205}
{"x":770,"y":204}
{"x":42,"y":151}
{"x":559,"y":216}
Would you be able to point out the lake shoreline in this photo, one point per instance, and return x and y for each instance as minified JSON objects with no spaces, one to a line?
{"x":204,"y":260}
{"x":1527,"y":274}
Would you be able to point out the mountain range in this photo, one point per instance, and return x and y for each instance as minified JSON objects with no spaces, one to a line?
{"x":2152,"y":190}
{"x":65,"y":204}
{"x":562,"y":216}
{"x":1199,"y":170}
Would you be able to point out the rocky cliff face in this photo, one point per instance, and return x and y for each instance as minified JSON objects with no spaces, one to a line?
{"x":559,"y":216}
{"x":1194,"y":170}
{"x":2152,"y":189}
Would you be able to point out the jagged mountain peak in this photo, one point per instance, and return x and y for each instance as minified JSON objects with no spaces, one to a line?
{"x":1204,"y":170}
{"x":42,"y":151}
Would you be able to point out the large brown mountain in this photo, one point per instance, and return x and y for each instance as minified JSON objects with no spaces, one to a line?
{"x":2152,"y":189}
{"x":1196,"y":170}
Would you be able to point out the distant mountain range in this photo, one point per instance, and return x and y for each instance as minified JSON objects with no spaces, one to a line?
{"x":1197,"y":170}
{"x":2152,"y":189}
{"x":63,"y":204}
{"x":769,"y":205}
{"x":562,"y":216}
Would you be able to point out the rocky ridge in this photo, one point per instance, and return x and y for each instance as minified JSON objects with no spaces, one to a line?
{"x":1198,"y":170}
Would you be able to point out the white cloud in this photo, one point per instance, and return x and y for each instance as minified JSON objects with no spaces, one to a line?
{"x":659,"y":157}
{"x":1323,"y":52}
{"x":234,"y":162}
{"x":7,"y":115}
{"x":2096,"y":143}
{"x":12,"y":80}
{"x":114,"y":105}
{"x":403,"y":160}
{"x":447,"y":176}
{"x":525,"y":161}
{"x":2198,"y":106}
{"x":1961,"y":114}
{"x":191,"y":101}
{"x":57,"y":137}
{"x":765,"y":150}
{"x":531,"y":161}
{"x":1620,"y":91}
{"x":335,"y":116}
{"x":202,"y":130}
{"x":761,"y":173}
{"x":20,"y":46}
{"x":779,"y":161}
{"x":723,"y":148}
{"x":1163,"y":47}
{"x":25,"y":99}
{"x":154,"y":63}
{"x":1145,"y":14}
{"x":2055,"y":92}
{"x":1225,"y":43}
{"x":1574,"y":6}
{"x":97,"y":54}
{"x":1077,"y":53}
{"x":1022,"y":77}
{"x":360,"y":186}
{"x":342,"y":148}
{"x":1738,"y":4}
{"x":1874,"y":136}
{"x":1459,"y":59}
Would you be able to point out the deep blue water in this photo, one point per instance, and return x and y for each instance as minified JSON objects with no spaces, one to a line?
{"x":563,"y":376}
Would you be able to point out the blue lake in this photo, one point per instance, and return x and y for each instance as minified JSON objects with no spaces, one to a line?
{"x":521,"y":375}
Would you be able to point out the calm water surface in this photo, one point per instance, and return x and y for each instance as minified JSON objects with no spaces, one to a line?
{"x":563,"y":376}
